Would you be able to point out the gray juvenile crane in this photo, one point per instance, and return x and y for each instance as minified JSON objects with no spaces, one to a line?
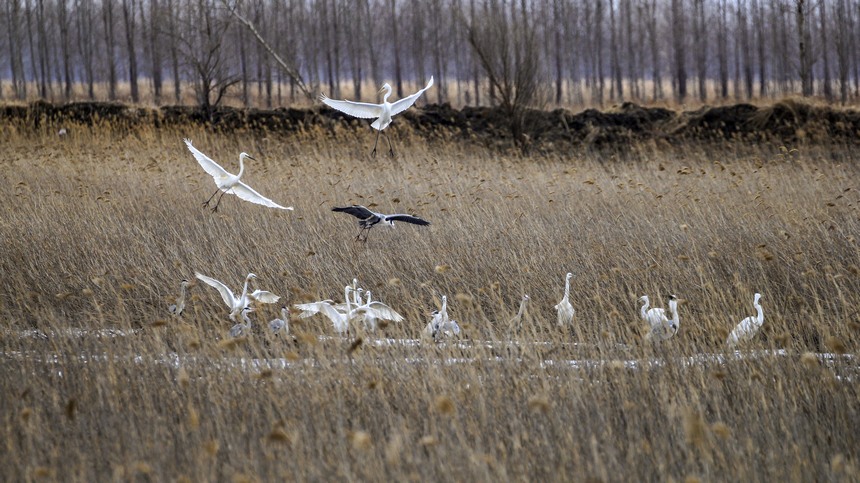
{"x":368,"y":219}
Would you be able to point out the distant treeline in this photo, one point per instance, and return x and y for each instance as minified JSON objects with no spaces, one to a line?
{"x":578,"y":52}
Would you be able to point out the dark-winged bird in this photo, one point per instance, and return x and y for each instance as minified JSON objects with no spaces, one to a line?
{"x":368,"y":219}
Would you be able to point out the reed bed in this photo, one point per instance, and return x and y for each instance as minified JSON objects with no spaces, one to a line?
{"x":100,"y":382}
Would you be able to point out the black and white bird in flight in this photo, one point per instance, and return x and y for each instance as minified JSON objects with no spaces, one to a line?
{"x":368,"y":219}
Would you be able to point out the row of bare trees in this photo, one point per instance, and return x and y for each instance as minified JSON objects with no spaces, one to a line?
{"x":507,"y":52}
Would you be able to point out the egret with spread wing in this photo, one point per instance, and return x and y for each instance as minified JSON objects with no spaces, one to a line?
{"x":368,"y":219}
{"x":238,"y":304}
{"x":229,"y":183}
{"x":382,"y":112}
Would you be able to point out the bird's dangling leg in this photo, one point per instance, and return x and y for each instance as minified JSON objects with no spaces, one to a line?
{"x":390,"y":148}
{"x":219,"y":202}
{"x":206,"y":203}
{"x":373,"y":153}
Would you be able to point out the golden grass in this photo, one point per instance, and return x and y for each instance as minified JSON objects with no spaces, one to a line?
{"x":99,"y":228}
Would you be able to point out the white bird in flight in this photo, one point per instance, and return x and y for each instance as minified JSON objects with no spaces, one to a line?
{"x":564,"y":308}
{"x":229,"y":183}
{"x":368,"y":219}
{"x":382,"y":112}
{"x":177,"y":308}
{"x":238,"y":304}
{"x":748,"y":327}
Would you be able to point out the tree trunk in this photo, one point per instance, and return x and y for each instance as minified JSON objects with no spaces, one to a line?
{"x":110,"y":58}
{"x":722,"y":50}
{"x":804,"y":49}
{"x":679,"y":41}
{"x":155,"y":17}
{"x":825,"y":53}
{"x":614,"y":47}
{"x":128,"y":11}
{"x":701,"y":39}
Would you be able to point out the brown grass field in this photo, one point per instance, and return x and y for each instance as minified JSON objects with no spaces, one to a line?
{"x":100,"y":383}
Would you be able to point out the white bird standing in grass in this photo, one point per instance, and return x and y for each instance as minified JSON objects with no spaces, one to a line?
{"x":440,"y":324}
{"x":748,"y":327}
{"x":238,"y":304}
{"x":278,"y":326}
{"x":662,"y":327}
{"x":240,"y":329}
{"x":564,"y":308}
{"x":229,"y":183}
{"x":382,"y":112}
{"x":655,"y":316}
{"x":177,"y":308}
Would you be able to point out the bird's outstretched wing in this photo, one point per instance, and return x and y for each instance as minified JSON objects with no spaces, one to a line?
{"x":265,"y":296}
{"x":357,"y":211}
{"x":363,"y":110}
{"x":383,"y":311}
{"x":406,"y":102}
{"x":311,"y":308}
{"x":408,"y":219}
{"x":210,"y":166}
{"x":247,"y":193}
{"x":226,"y":293}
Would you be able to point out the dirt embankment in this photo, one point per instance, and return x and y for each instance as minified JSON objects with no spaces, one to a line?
{"x":617,"y":129}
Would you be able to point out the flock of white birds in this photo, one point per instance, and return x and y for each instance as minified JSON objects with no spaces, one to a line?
{"x":354,"y":310}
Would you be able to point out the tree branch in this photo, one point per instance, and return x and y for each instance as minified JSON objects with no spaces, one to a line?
{"x":291,"y":72}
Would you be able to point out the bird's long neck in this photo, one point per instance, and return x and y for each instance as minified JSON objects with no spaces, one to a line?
{"x":181,"y":294}
{"x":566,"y":288}
{"x":522,"y":308}
{"x":241,"y":165}
{"x":759,"y":314}
{"x":644,"y":310}
{"x":245,"y":288}
{"x":673,"y":306}
{"x":346,"y":297}
{"x":387,"y":93}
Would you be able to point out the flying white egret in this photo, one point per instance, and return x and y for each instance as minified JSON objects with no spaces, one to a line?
{"x":382,"y":112}
{"x":283,"y":324}
{"x":228,"y":183}
{"x":240,"y":329}
{"x":177,"y":308}
{"x":517,"y":320}
{"x":368,"y":219}
{"x":662,"y":327}
{"x":238,"y":304}
{"x":564,"y":308}
{"x":748,"y":327}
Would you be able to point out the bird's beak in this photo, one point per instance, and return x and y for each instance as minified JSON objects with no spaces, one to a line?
{"x":380,"y":91}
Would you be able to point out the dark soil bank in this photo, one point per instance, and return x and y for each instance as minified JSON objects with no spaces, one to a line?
{"x":617,"y":129}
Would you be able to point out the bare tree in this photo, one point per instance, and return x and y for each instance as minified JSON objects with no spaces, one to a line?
{"x":16,"y":48}
{"x":825,"y":53}
{"x":508,"y":53}
{"x":804,"y":47}
{"x":842,"y":41}
{"x":653,"y":41}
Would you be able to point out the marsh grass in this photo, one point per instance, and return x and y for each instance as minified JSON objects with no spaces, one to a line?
{"x":100,"y":382}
